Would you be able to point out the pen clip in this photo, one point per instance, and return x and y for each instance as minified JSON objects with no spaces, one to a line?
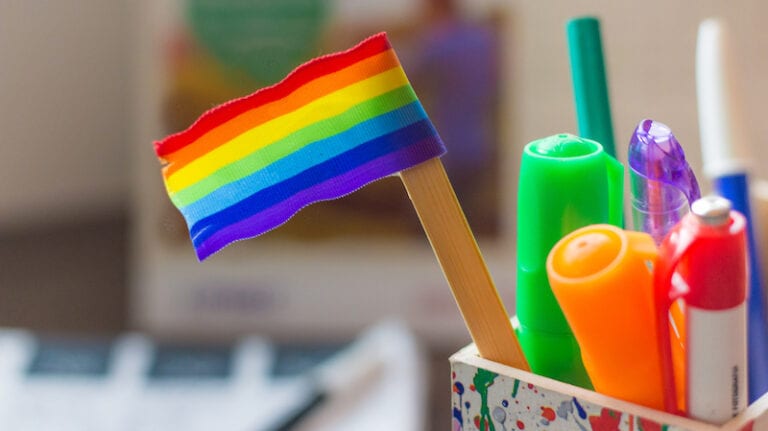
{"x":671,"y":252}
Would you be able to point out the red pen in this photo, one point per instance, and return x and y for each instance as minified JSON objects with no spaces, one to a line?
{"x":708,"y":250}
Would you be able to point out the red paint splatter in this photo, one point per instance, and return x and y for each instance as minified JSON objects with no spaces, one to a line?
{"x":607,"y":421}
{"x":472,"y":388}
{"x":530,"y":385}
{"x":520,"y":425}
{"x":453,"y":375}
{"x":644,"y":424}
{"x":748,"y":427}
{"x":486,"y":425}
{"x":548,"y":414}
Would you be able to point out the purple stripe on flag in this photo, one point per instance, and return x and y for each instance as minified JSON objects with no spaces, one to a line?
{"x":327,"y":190}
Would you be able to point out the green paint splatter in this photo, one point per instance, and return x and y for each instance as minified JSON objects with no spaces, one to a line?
{"x":483,"y":380}
{"x":515,"y":388}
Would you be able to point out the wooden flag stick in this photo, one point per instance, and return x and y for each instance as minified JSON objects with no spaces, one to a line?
{"x":463,"y":265}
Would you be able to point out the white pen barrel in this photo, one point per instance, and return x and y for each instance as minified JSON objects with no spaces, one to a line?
{"x":716,"y":362}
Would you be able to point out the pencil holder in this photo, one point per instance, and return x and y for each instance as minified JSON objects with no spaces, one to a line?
{"x":490,"y":396}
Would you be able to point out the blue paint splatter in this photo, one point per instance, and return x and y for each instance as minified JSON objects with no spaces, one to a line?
{"x":566,"y":408}
{"x":466,"y":404}
{"x":458,"y":387}
{"x":457,"y":415}
{"x":580,"y":409}
{"x":505,"y":403}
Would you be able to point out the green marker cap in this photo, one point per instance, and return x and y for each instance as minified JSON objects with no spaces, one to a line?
{"x":566,"y":183}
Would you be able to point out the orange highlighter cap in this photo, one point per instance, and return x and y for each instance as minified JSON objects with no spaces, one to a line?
{"x":601,"y":277}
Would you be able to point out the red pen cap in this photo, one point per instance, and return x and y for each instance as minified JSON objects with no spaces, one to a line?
{"x":722,"y":251}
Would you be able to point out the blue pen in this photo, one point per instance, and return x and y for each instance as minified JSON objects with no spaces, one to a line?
{"x":723,"y":143}
{"x":662,"y":183}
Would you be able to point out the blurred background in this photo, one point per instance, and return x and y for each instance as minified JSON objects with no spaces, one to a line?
{"x":91,"y":246}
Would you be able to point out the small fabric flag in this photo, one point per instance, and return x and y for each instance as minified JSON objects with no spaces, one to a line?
{"x":331,"y":126}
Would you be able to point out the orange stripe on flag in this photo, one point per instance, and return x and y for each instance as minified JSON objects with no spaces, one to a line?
{"x":312,"y":90}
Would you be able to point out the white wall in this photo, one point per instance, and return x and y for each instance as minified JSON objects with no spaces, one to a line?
{"x":63,"y":92}
{"x":650,"y":53}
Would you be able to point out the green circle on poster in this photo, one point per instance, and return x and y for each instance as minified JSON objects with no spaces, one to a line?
{"x":265,"y":38}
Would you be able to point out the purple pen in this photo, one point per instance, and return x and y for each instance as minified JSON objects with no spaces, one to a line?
{"x":662,"y":183}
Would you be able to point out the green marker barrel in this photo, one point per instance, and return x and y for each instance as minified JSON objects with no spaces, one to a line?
{"x":566,"y":183}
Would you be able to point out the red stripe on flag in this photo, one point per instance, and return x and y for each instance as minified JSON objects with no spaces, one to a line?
{"x":301,"y":75}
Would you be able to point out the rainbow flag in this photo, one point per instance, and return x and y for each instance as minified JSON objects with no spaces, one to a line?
{"x":331,"y":126}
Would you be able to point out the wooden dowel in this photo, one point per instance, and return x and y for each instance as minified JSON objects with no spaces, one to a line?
{"x":463,"y":265}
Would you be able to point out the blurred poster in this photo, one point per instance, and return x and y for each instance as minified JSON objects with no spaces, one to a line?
{"x":223,"y":49}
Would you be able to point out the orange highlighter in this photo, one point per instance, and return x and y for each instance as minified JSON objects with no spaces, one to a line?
{"x":602,"y":278}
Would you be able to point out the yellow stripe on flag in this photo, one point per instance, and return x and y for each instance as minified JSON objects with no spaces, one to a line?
{"x":254,"y":139}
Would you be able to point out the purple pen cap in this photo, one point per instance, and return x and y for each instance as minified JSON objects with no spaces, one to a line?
{"x":662,"y":183}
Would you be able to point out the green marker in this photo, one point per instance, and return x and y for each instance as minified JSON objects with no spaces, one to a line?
{"x":590,"y":89}
{"x":566,"y":183}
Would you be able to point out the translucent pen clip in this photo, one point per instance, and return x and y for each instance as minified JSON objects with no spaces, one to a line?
{"x":662,"y":183}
